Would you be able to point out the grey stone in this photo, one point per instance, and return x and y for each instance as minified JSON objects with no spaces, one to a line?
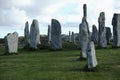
{"x":11,"y":43}
{"x":34,"y":34}
{"x":49,"y":34}
{"x":79,"y":36}
{"x":56,"y":40}
{"x":84,"y":37}
{"x":91,"y":56}
{"x":102,"y":43}
{"x":26,"y":35}
{"x":73,"y":37}
{"x":108,"y":34}
{"x":70,"y":36}
{"x":116,"y":30}
{"x":85,"y":10}
{"x":94,"y":36}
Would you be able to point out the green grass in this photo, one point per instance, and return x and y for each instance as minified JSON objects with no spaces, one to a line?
{"x":58,"y":65}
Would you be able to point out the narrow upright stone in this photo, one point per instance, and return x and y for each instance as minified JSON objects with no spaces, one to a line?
{"x":70,"y":37}
{"x":91,"y":56}
{"x":49,"y":34}
{"x":34,"y":34}
{"x":116,"y":30}
{"x":102,"y":43}
{"x":94,"y":36}
{"x":84,"y":10}
{"x":11,"y":43}
{"x":26,"y":35}
{"x":79,"y":36}
{"x":84,"y":36}
{"x":56,"y":42}
{"x":73,"y":37}
{"x":108,"y":34}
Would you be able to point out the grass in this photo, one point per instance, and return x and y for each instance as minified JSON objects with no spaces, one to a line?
{"x":58,"y":65}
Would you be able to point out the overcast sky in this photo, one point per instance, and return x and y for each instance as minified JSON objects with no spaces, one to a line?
{"x":14,"y":14}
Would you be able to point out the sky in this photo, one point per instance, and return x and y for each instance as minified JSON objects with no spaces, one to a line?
{"x":14,"y":14}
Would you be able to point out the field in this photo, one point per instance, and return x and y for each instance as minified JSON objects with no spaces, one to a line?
{"x":58,"y":65}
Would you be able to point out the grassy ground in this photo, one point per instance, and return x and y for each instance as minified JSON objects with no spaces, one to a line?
{"x":58,"y":65}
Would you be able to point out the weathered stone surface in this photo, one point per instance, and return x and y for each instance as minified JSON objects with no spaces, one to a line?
{"x":49,"y":34}
{"x":94,"y":36}
{"x":108,"y":34}
{"x":70,"y":36}
{"x":56,"y":41}
{"x":26,"y":35}
{"x":73,"y":37}
{"x":34,"y":34}
{"x":11,"y":43}
{"x":84,"y":36}
{"x":91,"y":56}
{"x":85,"y":10}
{"x":79,"y":36}
{"x":102,"y":43}
{"x":116,"y":30}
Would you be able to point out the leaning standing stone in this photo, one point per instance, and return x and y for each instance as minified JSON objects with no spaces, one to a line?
{"x":91,"y":56}
{"x":34,"y":34}
{"x":102,"y":43}
{"x":116,"y":30}
{"x":11,"y":43}
{"x":56,"y":42}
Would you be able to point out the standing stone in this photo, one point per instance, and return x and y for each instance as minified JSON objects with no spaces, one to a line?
{"x":26,"y":35}
{"x":94,"y":36}
{"x":102,"y":43}
{"x":56,"y":40}
{"x":70,"y":37}
{"x":34,"y":34}
{"x":84,"y":36}
{"x":49,"y":34}
{"x":11,"y":43}
{"x":108,"y":34}
{"x":79,"y":36}
{"x":73,"y":37}
{"x":116,"y":30}
{"x":91,"y":56}
{"x":85,"y":10}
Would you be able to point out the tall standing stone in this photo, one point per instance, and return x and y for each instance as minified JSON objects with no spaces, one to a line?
{"x":79,"y":36}
{"x":108,"y":34}
{"x":11,"y":43}
{"x":102,"y":43}
{"x":34,"y":34}
{"x":56,"y":42}
{"x":73,"y":37}
{"x":49,"y":34}
{"x":84,"y":34}
{"x":116,"y":30}
{"x":26,"y":35}
{"x":94,"y":36}
{"x":91,"y":56}
{"x":70,"y":36}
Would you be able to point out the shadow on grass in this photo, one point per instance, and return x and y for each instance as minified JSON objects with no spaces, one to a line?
{"x":96,"y":69}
